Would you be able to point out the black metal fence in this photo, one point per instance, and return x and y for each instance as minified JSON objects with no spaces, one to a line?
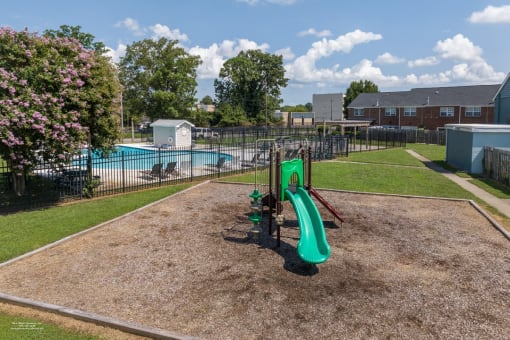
{"x":496,"y":164}
{"x":425,"y":136}
{"x":233,"y":151}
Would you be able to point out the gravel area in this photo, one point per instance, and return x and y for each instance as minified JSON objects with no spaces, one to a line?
{"x":399,"y":268}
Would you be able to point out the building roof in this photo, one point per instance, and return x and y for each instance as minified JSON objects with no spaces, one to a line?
{"x":171,"y":123}
{"x":477,"y":95}
{"x":502,"y":86}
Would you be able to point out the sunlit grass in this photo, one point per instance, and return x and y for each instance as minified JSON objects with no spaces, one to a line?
{"x":17,"y":327}
{"x":397,"y":156}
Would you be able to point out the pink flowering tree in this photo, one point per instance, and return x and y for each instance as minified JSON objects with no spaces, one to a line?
{"x":44,"y":100}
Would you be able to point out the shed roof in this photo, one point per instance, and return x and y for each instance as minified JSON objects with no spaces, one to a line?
{"x":477,"y":95}
{"x":479,"y":127}
{"x":171,"y":123}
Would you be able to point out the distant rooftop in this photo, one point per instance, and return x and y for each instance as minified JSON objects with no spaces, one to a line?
{"x":476,"y":95}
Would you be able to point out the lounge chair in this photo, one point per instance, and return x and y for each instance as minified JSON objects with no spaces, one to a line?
{"x":170,"y":169}
{"x":155,"y":172}
{"x":253,"y":162}
{"x":294,"y":153}
{"x":218,"y":166}
{"x":72,"y":180}
{"x":234,"y":163}
{"x":184,"y":167}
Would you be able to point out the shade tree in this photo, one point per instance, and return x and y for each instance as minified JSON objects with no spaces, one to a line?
{"x":252,"y":81}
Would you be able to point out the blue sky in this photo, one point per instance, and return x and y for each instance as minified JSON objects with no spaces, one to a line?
{"x":326,"y":44}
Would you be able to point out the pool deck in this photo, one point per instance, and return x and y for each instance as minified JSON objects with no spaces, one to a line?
{"x":241,"y":159}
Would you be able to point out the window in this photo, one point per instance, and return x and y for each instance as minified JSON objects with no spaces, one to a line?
{"x":358,"y":112}
{"x":410,"y":111}
{"x":473,"y":111}
{"x":390,"y":111}
{"x":446,"y":111}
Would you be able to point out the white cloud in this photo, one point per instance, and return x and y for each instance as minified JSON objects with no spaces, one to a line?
{"x":458,"y":48}
{"x":132,"y":25}
{"x":157,"y":30}
{"x":388,"y":58}
{"x":286,"y":53}
{"x":163,"y":31}
{"x":464,"y":73}
{"x":117,"y":53}
{"x":476,"y":72}
{"x":427,"y":61}
{"x":215,"y":55}
{"x":464,"y":57}
{"x":365,"y":70}
{"x":491,"y":15}
{"x":344,"y":43}
{"x":304,"y":68}
{"x":468,"y":66}
{"x":314,"y":32}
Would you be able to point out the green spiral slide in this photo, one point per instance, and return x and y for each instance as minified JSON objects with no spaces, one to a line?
{"x":312,"y":246}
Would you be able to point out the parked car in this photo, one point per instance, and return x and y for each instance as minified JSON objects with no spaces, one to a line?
{"x":202,"y":132}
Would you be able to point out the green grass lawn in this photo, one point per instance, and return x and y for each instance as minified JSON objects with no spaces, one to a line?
{"x":16,"y":327}
{"x":397,"y":156}
{"x":378,"y":178}
{"x":382,"y":178}
{"x":435,"y":153}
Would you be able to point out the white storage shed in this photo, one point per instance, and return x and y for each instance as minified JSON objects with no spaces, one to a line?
{"x":465,"y":143}
{"x":172,"y":132}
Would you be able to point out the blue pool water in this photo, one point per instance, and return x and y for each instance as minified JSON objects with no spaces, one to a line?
{"x":132,"y":158}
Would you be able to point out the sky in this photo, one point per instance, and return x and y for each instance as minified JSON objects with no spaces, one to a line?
{"x":325,"y":44}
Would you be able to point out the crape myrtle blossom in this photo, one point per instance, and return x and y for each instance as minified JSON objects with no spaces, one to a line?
{"x":41,"y":97}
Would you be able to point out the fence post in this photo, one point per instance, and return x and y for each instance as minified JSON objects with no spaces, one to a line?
{"x":162,"y":168}
{"x":219,"y":169}
{"x":191,"y":163}
{"x":123,"y":173}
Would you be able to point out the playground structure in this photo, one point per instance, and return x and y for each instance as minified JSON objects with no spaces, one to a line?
{"x":288,"y":178}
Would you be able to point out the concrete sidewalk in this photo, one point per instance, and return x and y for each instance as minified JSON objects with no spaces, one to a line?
{"x":503,"y":206}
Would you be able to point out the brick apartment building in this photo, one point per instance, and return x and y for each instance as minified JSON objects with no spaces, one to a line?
{"x":427,"y":108}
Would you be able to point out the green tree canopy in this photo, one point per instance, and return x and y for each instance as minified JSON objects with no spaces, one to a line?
{"x":252,"y":81}
{"x":357,"y":87}
{"x":207,"y":100}
{"x":228,"y":115}
{"x":201,"y":117}
{"x":86,"y":39}
{"x":159,"y":79}
{"x":297,"y":108}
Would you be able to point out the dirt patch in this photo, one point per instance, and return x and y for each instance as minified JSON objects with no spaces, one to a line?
{"x":399,"y":267}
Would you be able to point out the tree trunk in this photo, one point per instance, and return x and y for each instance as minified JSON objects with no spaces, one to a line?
{"x":18,"y":184}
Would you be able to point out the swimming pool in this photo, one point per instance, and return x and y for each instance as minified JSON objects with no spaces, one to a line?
{"x":133,"y":158}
